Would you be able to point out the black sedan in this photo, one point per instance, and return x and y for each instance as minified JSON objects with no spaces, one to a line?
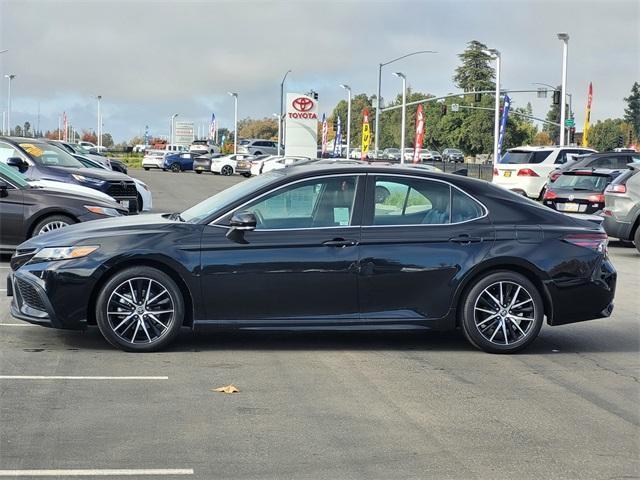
{"x":26,"y":210}
{"x":315,"y":247}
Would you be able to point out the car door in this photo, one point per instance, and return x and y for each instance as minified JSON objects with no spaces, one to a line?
{"x":299,"y":264}
{"x":11,"y":216}
{"x":419,"y":238}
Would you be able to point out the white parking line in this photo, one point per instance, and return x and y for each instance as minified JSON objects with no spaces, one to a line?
{"x":96,"y":472}
{"x":18,"y":325}
{"x":75,"y":377}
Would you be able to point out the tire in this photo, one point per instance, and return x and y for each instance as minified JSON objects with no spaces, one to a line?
{"x":146,"y":168}
{"x":484,"y":322}
{"x":175,"y":167}
{"x":50,"y":223}
{"x":198,"y":172}
{"x":636,"y":238}
{"x":246,"y":175}
{"x":140,"y":203}
{"x":226,"y":170}
{"x":133,"y":330}
{"x":258,"y":153}
{"x":164,"y":169}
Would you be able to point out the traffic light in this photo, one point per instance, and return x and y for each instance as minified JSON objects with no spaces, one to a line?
{"x":556,"y":97}
{"x":620,"y":141}
{"x":572,"y":135}
{"x":630,"y":137}
{"x":335,"y":125}
{"x":477,"y":97}
{"x":443,"y":109}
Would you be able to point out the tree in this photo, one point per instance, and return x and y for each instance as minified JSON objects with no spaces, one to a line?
{"x":26,"y":129}
{"x":17,"y":131}
{"x":265,"y":128}
{"x":553,"y":115}
{"x":358,"y":103}
{"x":632,"y":111}
{"x":605,"y":134}
{"x":475,"y":72}
{"x":89,"y":136}
{"x":542,"y":139}
{"x":107,"y":140}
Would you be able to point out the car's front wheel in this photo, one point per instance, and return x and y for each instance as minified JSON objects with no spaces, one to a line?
{"x":175,"y":167}
{"x":226,"y":171}
{"x":140,"y":309}
{"x":198,"y":172}
{"x":502,"y":312}
{"x":146,"y":169}
{"x":51,"y":223}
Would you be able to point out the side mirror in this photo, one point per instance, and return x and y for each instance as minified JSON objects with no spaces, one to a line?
{"x":17,"y":162}
{"x":241,"y":222}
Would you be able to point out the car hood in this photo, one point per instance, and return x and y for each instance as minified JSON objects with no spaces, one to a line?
{"x":107,"y":175}
{"x":88,"y":232}
{"x":71,"y":188}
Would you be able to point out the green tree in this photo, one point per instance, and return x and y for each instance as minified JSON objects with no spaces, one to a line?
{"x":107,"y":140}
{"x":265,"y":128}
{"x":475,"y":71}
{"x":604,"y":135}
{"x":358,"y":103}
{"x":17,"y":131}
{"x":632,"y":111}
{"x":553,"y":115}
{"x":27,"y":129}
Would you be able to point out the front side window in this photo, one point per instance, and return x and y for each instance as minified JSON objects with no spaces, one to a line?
{"x":317,"y":203}
{"x":409,"y":201}
{"x":8,"y":151}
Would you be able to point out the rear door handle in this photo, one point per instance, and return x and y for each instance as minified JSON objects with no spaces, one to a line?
{"x":340,"y":243}
{"x":465,"y":239}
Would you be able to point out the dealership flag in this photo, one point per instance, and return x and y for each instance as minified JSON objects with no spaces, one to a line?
{"x":325,"y":133}
{"x":587,"y":118}
{"x":64,"y":123}
{"x":212,"y":127}
{"x":503,"y":126}
{"x":419,"y":134}
{"x":366,"y":134}
{"x":337,"y":143}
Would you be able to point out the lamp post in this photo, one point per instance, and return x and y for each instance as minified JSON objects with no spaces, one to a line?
{"x":10,"y":77}
{"x":404,"y":112}
{"x":378,"y":106}
{"x":348,"y":89}
{"x":99,"y":97}
{"x":173,"y":117}
{"x":235,"y":121}
{"x":281,"y":118}
{"x":495,"y":54}
{"x":277,"y":115}
{"x":565,"y":57}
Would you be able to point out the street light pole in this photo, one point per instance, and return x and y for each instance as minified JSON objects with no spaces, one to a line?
{"x":277,"y":115}
{"x":348,"y":89}
{"x":99,"y":123}
{"x":563,"y":114}
{"x":378,"y":105}
{"x":171,"y":137}
{"x":496,"y":121}
{"x":281,"y":118}
{"x":10,"y":77}
{"x":404,"y":113}
{"x":235,"y":121}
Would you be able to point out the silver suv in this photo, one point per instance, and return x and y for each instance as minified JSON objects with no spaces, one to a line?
{"x":622,"y":206}
{"x":255,"y":146}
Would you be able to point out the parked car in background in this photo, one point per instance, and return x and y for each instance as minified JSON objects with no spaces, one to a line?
{"x":244,"y":165}
{"x":76,"y":148}
{"x":154,"y":159}
{"x":226,"y":165}
{"x":622,"y":206}
{"x":41,"y":161}
{"x":202,"y":147}
{"x":27,"y":209}
{"x":452,"y":155}
{"x":178,"y":162}
{"x":281,"y":162}
{"x":525,"y":170}
{"x":435,"y":156}
{"x":408,"y":155}
{"x":392,"y":154}
{"x":579,"y":191}
{"x":118,"y":165}
{"x":140,"y":148}
{"x":258,"y":164}
{"x":603,"y":160}
{"x":256,"y":146}
{"x":355,"y":153}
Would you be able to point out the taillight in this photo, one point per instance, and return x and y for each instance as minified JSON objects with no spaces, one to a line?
{"x":549,"y":195}
{"x":495,"y":172}
{"x":554,"y":176}
{"x":618,"y":188}
{"x":593,"y":241}
{"x":526,"y":172}
{"x":596,"y":198}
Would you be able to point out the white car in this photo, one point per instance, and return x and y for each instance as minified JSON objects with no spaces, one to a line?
{"x":226,"y":165}
{"x":524,"y":170}
{"x":202,"y":147}
{"x":154,"y":159}
{"x":408,"y":155}
{"x":273,"y":162}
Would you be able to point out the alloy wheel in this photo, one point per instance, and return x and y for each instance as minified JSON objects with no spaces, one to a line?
{"x":51,"y":226}
{"x":140,"y":310}
{"x":227,"y":170}
{"x":504,"y":313}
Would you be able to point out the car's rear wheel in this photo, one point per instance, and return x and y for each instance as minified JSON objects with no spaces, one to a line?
{"x":502,"y":312}
{"x":140,"y":309}
{"x":636,"y":238}
{"x":226,"y":170}
{"x":51,"y":223}
{"x":198,"y":172}
{"x":175,"y":167}
{"x":246,"y":175}
{"x":146,"y":168}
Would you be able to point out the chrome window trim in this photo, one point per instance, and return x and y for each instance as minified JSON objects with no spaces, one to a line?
{"x":359,"y":174}
{"x":451,"y":185}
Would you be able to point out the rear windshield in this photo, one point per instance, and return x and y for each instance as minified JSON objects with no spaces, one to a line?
{"x":592,"y":183}
{"x":520,"y":157}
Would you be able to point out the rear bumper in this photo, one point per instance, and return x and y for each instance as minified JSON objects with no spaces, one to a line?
{"x":530,"y":186}
{"x":616,"y":228}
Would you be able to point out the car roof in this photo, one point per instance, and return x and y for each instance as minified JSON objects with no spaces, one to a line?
{"x":610,"y":153}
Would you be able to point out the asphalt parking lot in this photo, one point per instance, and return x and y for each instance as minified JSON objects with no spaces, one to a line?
{"x":324,"y":406}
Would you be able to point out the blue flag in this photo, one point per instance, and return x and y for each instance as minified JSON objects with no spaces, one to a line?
{"x":503,"y":126}
{"x":337,"y":142}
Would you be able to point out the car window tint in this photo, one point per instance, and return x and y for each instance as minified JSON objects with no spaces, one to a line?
{"x":410,"y":202}
{"x":603,"y":162}
{"x":325,"y":202}
{"x":463,"y":207}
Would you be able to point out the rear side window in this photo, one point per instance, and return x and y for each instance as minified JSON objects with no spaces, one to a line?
{"x":522,"y":157}
{"x":463,"y":207}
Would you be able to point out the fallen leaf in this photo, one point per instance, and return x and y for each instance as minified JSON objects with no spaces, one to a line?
{"x":227,"y":389}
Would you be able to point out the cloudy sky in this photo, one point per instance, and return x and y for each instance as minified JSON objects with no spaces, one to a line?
{"x":150,"y":59}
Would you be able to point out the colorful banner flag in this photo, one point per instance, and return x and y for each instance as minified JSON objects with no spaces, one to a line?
{"x":325,"y":134}
{"x":503,"y":126}
{"x":366,"y":135}
{"x":587,"y":118}
{"x":419,"y":134}
{"x":213,"y":127}
{"x":337,"y":142}
{"x":65,"y":126}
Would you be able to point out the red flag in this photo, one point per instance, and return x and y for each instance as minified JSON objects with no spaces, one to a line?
{"x":64,"y":122}
{"x":419,"y":134}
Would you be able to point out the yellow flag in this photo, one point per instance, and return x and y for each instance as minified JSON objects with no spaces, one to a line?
{"x":587,"y":118}
{"x":366,"y":135}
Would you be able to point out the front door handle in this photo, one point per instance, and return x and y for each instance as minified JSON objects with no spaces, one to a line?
{"x":465,"y":239}
{"x":340,"y":243}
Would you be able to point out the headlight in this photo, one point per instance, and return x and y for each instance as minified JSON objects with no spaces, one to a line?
{"x":64,"y":253}
{"x":88,"y":180}
{"x":109,"y":212}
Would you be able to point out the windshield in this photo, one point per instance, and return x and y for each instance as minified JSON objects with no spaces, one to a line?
{"x":593,"y":183}
{"x":49,"y":155}
{"x":453,"y":150}
{"x":218,"y":202}
{"x":520,"y":157}
{"x":79,"y":148}
{"x":13,"y":176}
